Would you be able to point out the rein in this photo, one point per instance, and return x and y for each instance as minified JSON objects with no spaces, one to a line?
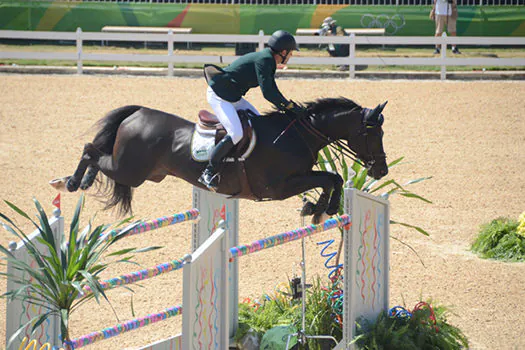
{"x":345,"y":150}
{"x":336,"y":145}
{"x":331,"y":143}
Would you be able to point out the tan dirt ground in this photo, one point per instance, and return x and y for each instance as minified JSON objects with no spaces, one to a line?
{"x":470,"y":136}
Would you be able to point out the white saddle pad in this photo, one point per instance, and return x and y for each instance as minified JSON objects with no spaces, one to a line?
{"x":203,"y":141}
{"x":202,"y":144}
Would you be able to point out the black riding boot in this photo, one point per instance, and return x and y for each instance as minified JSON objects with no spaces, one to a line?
{"x":210,"y":176}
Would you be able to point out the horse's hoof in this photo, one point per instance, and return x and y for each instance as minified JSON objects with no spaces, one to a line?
{"x":72,"y":185}
{"x":60,"y":184}
{"x":308,"y":209}
{"x":86,"y":183}
{"x":320,"y":218}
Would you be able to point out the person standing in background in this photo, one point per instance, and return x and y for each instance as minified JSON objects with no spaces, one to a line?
{"x":329,"y":27}
{"x":445,"y":14}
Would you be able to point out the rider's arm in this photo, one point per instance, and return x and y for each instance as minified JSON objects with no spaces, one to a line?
{"x":265,"y":70}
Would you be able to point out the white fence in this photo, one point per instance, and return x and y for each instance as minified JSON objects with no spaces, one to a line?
{"x":352,"y":60}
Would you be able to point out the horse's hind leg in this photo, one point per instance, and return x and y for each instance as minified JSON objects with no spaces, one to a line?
{"x":89,"y":157}
{"x":89,"y":177}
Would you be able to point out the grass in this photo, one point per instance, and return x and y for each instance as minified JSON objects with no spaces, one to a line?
{"x":215,"y":50}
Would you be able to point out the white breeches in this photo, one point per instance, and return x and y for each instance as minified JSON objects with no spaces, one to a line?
{"x":226,"y":112}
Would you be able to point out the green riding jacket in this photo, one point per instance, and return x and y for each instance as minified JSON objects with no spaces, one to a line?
{"x":249,"y":71}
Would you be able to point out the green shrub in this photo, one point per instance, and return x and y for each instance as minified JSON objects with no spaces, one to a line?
{"x":282,"y":309}
{"x":500,"y":240}
{"x":425,"y":327}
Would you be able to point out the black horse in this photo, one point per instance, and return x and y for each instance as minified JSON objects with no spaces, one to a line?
{"x":135,"y":144}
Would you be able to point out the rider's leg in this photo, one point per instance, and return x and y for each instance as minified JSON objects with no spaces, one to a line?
{"x":244,"y":104}
{"x":210,"y":176}
{"x":227,"y":115}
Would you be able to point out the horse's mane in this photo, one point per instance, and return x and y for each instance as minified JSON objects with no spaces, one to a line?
{"x":324,"y":104}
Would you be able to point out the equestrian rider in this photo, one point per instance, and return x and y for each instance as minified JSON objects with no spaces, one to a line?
{"x":227,"y":87}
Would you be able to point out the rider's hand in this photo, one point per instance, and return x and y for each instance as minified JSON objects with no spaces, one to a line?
{"x":296,"y":108}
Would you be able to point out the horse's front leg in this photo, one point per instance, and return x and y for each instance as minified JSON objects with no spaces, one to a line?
{"x":335,"y":199}
{"x":314,"y":179}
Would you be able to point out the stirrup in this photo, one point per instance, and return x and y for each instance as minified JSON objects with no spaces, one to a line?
{"x":210,"y":180}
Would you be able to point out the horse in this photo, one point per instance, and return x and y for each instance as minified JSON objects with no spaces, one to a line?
{"x":135,"y":143}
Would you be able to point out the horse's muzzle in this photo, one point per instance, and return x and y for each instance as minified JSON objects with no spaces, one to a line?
{"x":377,"y":172}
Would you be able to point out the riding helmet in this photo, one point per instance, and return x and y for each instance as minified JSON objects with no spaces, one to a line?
{"x":282,"y":40}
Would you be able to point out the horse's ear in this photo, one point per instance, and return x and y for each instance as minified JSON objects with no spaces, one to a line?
{"x":374,"y":117}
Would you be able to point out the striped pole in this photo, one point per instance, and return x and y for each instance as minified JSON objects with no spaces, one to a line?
{"x":285,"y":237}
{"x":155,"y":224}
{"x":124,"y":327}
{"x":136,"y":276}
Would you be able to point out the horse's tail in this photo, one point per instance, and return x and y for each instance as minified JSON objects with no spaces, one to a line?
{"x":119,"y":195}
{"x":108,"y":127}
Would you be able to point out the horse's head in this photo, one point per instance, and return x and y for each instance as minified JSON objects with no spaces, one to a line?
{"x":368,"y":142}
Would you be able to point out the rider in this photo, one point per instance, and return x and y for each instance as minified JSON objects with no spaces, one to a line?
{"x":227,"y":87}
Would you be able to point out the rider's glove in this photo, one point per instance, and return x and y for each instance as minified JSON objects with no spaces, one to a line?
{"x":297,"y":109}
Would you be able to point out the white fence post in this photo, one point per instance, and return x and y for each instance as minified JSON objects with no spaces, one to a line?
{"x":443,"y":74}
{"x":366,"y":261}
{"x":261,"y":40}
{"x":351,"y":67}
{"x":170,"y":52}
{"x":205,"y":292}
{"x":216,"y":207}
{"x":79,"y":51}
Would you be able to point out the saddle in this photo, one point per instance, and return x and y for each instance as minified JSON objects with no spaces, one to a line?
{"x":208,"y":121}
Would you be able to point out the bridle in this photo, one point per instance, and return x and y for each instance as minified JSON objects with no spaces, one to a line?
{"x":338,"y":145}
{"x":373,"y":156}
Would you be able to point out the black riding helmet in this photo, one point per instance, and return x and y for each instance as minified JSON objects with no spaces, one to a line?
{"x":282,"y":40}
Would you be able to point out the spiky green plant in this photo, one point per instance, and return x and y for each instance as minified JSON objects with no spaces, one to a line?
{"x":333,"y":160}
{"x":501,"y":240}
{"x":57,"y":281}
